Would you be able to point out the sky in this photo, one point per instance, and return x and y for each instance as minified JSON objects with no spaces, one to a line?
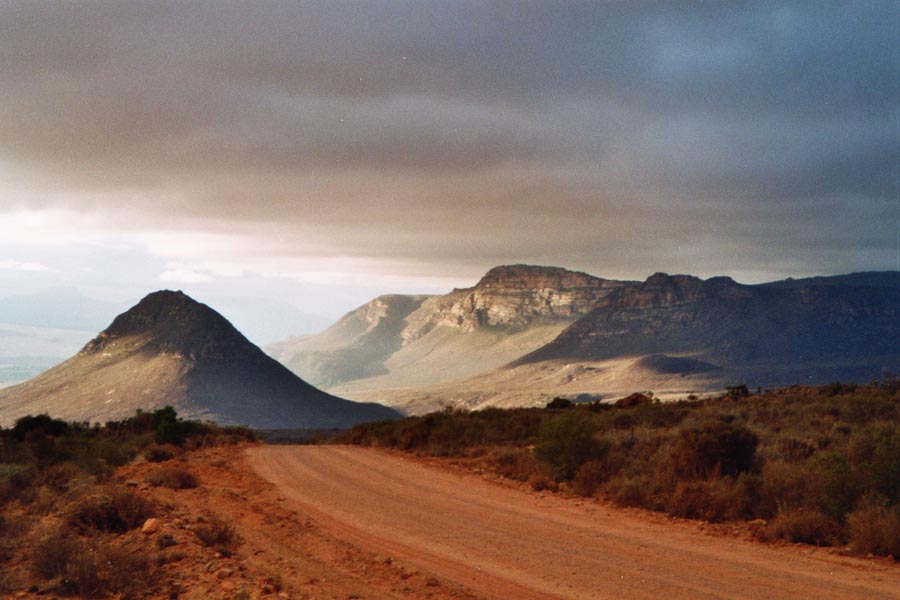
{"x":322,"y":153}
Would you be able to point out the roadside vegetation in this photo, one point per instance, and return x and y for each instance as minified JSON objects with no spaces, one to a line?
{"x":62,"y":508}
{"x":819,"y":465}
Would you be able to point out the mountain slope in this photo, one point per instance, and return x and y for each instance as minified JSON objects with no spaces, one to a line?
{"x":679,"y":335}
{"x":806,"y":330}
{"x":416,"y":340}
{"x":170,"y":349}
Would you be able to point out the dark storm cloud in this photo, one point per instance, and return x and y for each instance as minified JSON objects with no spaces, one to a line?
{"x":494,"y":131}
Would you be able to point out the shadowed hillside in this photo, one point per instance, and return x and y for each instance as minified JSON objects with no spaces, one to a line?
{"x":172,"y":350}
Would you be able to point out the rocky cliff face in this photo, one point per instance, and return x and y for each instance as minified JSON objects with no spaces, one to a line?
{"x":737,"y":325}
{"x":507,"y":301}
{"x":512,"y":296}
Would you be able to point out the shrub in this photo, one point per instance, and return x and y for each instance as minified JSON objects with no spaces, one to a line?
{"x":803,"y":525}
{"x":875,"y":528}
{"x":540,"y":482}
{"x":53,"y":554}
{"x":837,"y":485}
{"x":638,"y":490}
{"x":876,"y":451}
{"x":559,"y":403}
{"x":712,"y":450}
{"x":715,"y":500}
{"x":217,"y":534}
{"x":589,"y":476}
{"x":172,"y":478}
{"x":92,"y":568}
{"x":785,"y":486}
{"x":567,"y":441}
{"x":517,"y":464}
{"x":114,"y":510}
{"x":157,"y":453}
{"x":14,"y":480}
{"x":40,"y":423}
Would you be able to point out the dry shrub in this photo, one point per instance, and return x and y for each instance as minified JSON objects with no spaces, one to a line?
{"x":517,"y":464}
{"x":540,"y":482}
{"x":875,"y":528}
{"x":638,"y":490}
{"x":785,"y":486}
{"x":113,"y":509}
{"x":91,"y":568}
{"x":172,"y":478}
{"x":17,"y":482}
{"x":589,"y":477}
{"x":217,"y":534}
{"x":803,"y":525}
{"x":715,"y":500}
{"x":161,"y":452}
{"x":792,"y":449}
{"x":711,"y":450}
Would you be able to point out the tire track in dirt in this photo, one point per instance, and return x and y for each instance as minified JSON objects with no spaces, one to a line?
{"x":503,"y":543}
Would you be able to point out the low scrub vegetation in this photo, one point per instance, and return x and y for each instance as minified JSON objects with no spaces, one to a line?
{"x":61,"y":511}
{"x":819,"y":465}
{"x":217,"y":534}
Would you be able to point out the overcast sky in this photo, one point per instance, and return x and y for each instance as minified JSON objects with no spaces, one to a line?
{"x":324,"y":152}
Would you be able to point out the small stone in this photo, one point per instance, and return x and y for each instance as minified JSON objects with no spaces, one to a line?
{"x":132,"y":483}
{"x":224,"y":573}
{"x":151,"y":526}
{"x":267,"y":589}
{"x":432,"y":582}
{"x":228,"y":586}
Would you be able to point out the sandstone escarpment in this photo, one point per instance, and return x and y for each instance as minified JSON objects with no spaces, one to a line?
{"x":512,"y":296}
{"x":738,"y":325}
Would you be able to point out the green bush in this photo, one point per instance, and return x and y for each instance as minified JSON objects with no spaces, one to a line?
{"x":567,"y":441}
{"x":713,"y":450}
{"x":837,"y":485}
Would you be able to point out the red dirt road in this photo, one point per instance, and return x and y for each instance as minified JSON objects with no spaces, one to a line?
{"x":503,"y":543}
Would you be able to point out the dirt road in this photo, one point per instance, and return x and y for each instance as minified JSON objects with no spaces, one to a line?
{"x":503,"y":543}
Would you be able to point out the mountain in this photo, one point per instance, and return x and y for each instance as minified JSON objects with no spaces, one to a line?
{"x":171,"y":350}
{"x":877,"y":279}
{"x":416,"y":340}
{"x":769,"y":333}
{"x":524,"y":335}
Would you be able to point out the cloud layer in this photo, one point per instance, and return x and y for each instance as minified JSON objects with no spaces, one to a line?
{"x":621,"y":138}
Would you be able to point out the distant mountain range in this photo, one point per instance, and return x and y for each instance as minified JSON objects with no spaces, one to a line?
{"x":519,"y":337}
{"x":524,"y":334}
{"x":172,"y":350}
